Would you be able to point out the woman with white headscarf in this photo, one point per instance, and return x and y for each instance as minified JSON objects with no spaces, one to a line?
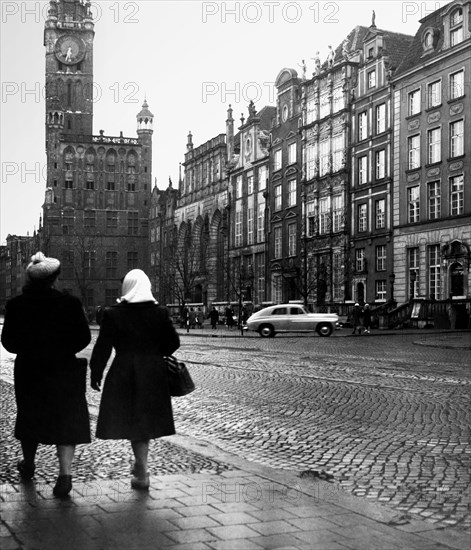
{"x":136,"y":403}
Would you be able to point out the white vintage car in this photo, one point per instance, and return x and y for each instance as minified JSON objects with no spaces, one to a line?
{"x":291,"y":318}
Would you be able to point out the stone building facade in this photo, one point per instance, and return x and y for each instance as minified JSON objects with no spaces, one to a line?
{"x":432,"y":164}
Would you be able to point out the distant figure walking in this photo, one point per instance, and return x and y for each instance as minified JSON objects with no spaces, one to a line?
{"x":367,"y":318}
{"x":229,"y":317}
{"x":136,"y":403}
{"x":46,"y":328}
{"x":214,"y":318}
{"x":199,"y":318}
{"x":356,"y":318}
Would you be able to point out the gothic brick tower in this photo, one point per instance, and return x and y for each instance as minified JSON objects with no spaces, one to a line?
{"x":98,"y":191}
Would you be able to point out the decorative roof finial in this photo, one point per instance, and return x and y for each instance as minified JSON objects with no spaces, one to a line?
{"x":373,"y":19}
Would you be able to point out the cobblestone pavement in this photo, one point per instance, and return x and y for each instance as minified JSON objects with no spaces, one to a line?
{"x":389,"y":419}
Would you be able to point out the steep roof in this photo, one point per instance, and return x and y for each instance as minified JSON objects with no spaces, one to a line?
{"x":267,"y":114}
{"x":415,"y":54}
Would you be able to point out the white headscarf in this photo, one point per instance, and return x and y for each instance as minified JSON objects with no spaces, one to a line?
{"x":136,"y":288}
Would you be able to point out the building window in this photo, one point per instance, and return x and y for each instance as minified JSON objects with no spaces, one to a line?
{"x":324,"y":105}
{"x":133,"y":223}
{"x":362,"y":126}
{"x":324,"y":157}
{"x":434,"y":94}
{"x":380,"y":118}
{"x":312,"y":110}
{"x":262,"y":178}
{"x":380,"y":157}
{"x":292,"y":193}
{"x":337,"y":276}
{"x":324,"y":215}
{"x":131,"y":186}
{"x":413,"y":146}
{"x":362,"y":212}
{"x":371,"y":79}
{"x":434,"y":200}
{"x":277,"y":160}
{"x":277,"y":242}
{"x":68,"y":184}
{"x":380,"y":214}
{"x":260,"y":271}
{"x":360,"y":260}
{"x":67,"y":264}
{"x":338,"y":99}
{"x":90,"y":184}
{"x":434,"y":145}
{"x":238,"y":228}
{"x":311,"y":160}
{"x":89,"y":263}
{"x":413,"y":201}
{"x":111,"y":263}
{"x":456,"y":85}
{"x":276,"y":288}
{"x":380,"y":291}
{"x":456,"y":138}
{"x":434,"y":278}
{"x":292,"y":153}
{"x":110,"y":185}
{"x":381,"y":257}
{"x":132,"y":261}
{"x":337,"y":213}
{"x":292,"y":239}
{"x":456,"y":27}
{"x":457,"y":195}
{"x":89,"y":218}
{"x":413,"y":271}
{"x":250,"y":184}
{"x":261,"y":223}
{"x":250,"y":226}
{"x":111,"y":219}
{"x":337,"y":152}
{"x":311,"y":219}
{"x":277,"y":193}
{"x":414,"y":102}
{"x":362,"y":169}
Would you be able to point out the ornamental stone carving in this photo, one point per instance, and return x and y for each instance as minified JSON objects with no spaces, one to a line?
{"x":433,"y":117}
{"x":413,"y":124}
{"x":456,"y":109}
{"x":413,"y":177}
{"x":433,"y":172}
{"x":456,"y":166}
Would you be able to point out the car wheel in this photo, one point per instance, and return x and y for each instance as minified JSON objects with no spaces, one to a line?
{"x":266,"y":331}
{"x":324,"y":329}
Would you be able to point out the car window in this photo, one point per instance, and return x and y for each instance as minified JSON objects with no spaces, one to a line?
{"x":295,"y":311}
{"x":280,"y":311}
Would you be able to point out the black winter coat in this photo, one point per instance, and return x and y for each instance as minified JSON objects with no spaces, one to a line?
{"x":46,"y":328}
{"x":136,"y":403}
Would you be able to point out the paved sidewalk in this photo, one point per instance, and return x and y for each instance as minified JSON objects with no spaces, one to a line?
{"x":247,"y":507}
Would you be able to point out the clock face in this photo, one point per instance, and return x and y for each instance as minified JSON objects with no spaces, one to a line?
{"x":70,"y":50}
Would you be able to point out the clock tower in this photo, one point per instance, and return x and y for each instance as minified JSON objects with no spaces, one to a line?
{"x":68,"y":38}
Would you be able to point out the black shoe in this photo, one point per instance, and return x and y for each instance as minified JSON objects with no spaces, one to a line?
{"x":63,"y":486}
{"x":26,"y":470}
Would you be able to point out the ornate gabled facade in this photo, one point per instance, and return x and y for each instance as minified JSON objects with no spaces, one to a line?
{"x":432,"y":164}
{"x":326,"y":137}
{"x":98,"y":187}
{"x":200,"y":252}
{"x":248,"y":172}
{"x":285,"y":243}
{"x":371,"y":254}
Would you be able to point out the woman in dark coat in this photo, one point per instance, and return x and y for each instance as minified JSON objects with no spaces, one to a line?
{"x":136,"y":403}
{"x":46,"y":328}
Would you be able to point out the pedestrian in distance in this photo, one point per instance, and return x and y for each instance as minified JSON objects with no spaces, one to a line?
{"x":192,"y":317}
{"x":367,"y":318}
{"x":229,"y":317}
{"x":136,"y":403}
{"x":45,"y":328}
{"x":199,"y":318}
{"x":356,"y":318}
{"x":214,"y":318}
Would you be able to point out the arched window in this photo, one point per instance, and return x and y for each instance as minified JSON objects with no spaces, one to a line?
{"x":456,"y":27}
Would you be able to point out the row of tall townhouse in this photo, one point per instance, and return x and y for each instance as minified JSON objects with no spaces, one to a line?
{"x":354,"y":187}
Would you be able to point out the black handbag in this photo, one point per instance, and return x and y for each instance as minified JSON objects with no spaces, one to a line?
{"x":179,"y":379}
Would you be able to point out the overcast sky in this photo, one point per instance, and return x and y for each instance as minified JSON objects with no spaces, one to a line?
{"x":189,"y":58}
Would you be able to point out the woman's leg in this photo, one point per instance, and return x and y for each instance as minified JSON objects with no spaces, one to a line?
{"x":66,"y":455}
{"x":29,"y":449}
{"x":141,"y":477}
